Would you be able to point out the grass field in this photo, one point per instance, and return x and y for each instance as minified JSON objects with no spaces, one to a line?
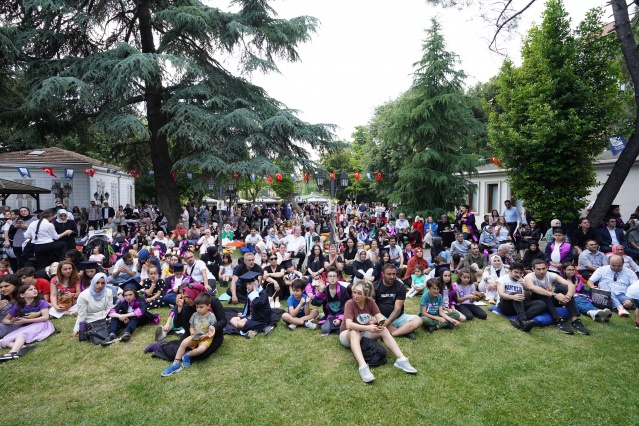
{"x":484,"y":372}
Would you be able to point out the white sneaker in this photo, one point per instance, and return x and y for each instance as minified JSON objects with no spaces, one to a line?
{"x":622,"y":311}
{"x":272,"y":304}
{"x":608,"y":314}
{"x":366,"y":375}
{"x":405,"y":365}
{"x":594,"y":315}
{"x":310,"y":325}
{"x":292,"y":326}
{"x":278,"y":305}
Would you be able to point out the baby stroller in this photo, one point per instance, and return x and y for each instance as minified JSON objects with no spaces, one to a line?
{"x":107,"y":250}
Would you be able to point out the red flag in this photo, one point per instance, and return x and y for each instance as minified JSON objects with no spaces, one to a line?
{"x":307,"y":177}
{"x":134,"y":173}
{"x":49,"y":171}
{"x":278,"y":176}
{"x":379,"y":176}
{"x":496,"y":161}
{"x":270,"y":179}
{"x":236,"y":175}
{"x":357,"y":176}
{"x":331,"y":176}
{"x":174,"y":175}
{"x":90,"y":172}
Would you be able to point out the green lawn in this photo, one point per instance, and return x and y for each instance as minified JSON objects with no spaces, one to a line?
{"x":484,"y":372}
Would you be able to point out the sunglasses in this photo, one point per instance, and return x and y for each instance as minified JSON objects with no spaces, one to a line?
{"x":273,"y":258}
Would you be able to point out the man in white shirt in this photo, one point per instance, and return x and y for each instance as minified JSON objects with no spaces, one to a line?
{"x":124,"y":269}
{"x":591,"y":259}
{"x":252,"y":239}
{"x":541,"y":283}
{"x":296,"y":245}
{"x":196,"y":269}
{"x":402,"y":227}
{"x":615,"y":278}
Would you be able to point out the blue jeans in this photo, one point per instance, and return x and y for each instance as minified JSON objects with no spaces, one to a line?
{"x":169,"y":298}
{"x":617,"y":298}
{"x":116,"y":324}
{"x":123,"y":277}
{"x":584,"y":305}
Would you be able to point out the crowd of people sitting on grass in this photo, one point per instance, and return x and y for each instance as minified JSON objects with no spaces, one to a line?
{"x":355,"y":286}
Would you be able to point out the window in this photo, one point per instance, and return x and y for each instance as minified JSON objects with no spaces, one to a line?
{"x":25,"y":200}
{"x":492,"y":192}
{"x":473,"y":199}
{"x":114,"y":201}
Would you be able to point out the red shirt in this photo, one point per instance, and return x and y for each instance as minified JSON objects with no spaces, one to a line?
{"x":43,"y":286}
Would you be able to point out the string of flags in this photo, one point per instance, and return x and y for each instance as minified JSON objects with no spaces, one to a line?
{"x":306,"y":177}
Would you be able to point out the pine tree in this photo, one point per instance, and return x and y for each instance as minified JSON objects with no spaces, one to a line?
{"x":428,"y":134}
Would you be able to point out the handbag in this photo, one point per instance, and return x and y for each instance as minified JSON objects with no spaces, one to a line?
{"x":601,"y":298}
{"x":96,"y":331}
{"x":65,"y":301}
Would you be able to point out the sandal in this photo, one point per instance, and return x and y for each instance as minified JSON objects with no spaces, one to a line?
{"x":9,"y":356}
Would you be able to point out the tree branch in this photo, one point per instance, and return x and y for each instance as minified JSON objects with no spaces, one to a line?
{"x":499,"y":26}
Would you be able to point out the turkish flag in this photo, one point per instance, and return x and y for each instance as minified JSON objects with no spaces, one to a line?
{"x":49,"y":171}
{"x":90,"y":172}
{"x":278,"y":176}
{"x":236,"y":175}
{"x":174,"y":175}
{"x":379,"y":176}
{"x":270,"y":179}
{"x":134,"y":173}
{"x":331,"y":176}
{"x":307,"y":177}
{"x":357,"y":176}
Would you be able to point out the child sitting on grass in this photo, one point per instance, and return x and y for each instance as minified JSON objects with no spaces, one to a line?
{"x":332,"y":298}
{"x":129,"y":313}
{"x":418,"y":281}
{"x":256,"y":315}
{"x":299,"y":311}
{"x":291,"y":275}
{"x":31,"y":313}
{"x":202,"y":331}
{"x":466,"y":295}
{"x":433,"y":314}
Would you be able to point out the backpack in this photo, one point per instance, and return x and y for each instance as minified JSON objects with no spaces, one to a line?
{"x":374,"y":353}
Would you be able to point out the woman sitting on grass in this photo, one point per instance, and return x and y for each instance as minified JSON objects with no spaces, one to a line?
{"x":94,"y":303}
{"x":362,"y":318}
{"x":65,"y":287}
{"x":9,"y":286}
{"x":488,"y":283}
{"x":31,"y":314}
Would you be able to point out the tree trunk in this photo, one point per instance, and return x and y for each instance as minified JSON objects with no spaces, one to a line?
{"x":627,"y":157}
{"x":165,"y":187}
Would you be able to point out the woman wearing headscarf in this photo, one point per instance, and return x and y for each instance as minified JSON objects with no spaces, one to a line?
{"x":488,"y":283}
{"x":16,"y":233}
{"x":94,"y":303}
{"x":181,"y":314}
{"x":531,"y":254}
{"x":212,"y":260}
{"x":64,"y":223}
{"x":47,"y":245}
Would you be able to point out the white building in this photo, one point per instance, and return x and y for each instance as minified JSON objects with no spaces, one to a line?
{"x":108,"y":183}
{"x":493,"y":188}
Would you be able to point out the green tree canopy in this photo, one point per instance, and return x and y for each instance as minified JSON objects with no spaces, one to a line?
{"x":427,"y":136}
{"x":552,"y":113}
{"x":153,"y":73}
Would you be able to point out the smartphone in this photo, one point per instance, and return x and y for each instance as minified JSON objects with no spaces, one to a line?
{"x":381,"y":323}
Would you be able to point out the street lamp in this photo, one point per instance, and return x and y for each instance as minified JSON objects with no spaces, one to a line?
{"x":61,"y":191}
{"x":319,"y":176}
{"x":230,"y":186}
{"x":101,"y":197}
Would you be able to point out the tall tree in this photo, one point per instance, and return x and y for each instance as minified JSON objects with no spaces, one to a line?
{"x":153,"y":72}
{"x":504,"y":16}
{"x":552,"y":113}
{"x":431,"y":131}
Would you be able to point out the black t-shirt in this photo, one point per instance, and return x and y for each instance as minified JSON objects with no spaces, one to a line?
{"x":385,"y":297}
{"x":243,"y":270}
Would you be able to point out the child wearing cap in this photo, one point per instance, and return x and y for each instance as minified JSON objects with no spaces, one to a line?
{"x":332,"y":298}
{"x":129,"y":313}
{"x":257,"y":311}
{"x":299,"y":311}
{"x":202,"y":330}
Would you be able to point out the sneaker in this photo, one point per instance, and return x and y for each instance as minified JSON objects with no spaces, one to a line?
{"x":268,"y":330}
{"x":321,"y":316}
{"x":366,"y":375}
{"x":251,"y":334}
{"x":515,"y":323}
{"x":186,"y":360}
{"x":637,"y":325}
{"x":197,"y":336}
{"x":278,"y":305}
{"x":171,"y":369}
{"x":159,"y":334}
{"x":608,"y":313}
{"x":564,"y":327}
{"x":432,"y":328}
{"x":292,"y":326}
{"x":111,"y":338}
{"x":272,"y":304}
{"x":405,"y":365}
{"x":528,"y":325}
{"x":595,"y":315}
{"x":410,"y":336}
{"x":126,"y":336}
{"x":622,"y":311}
{"x":310,"y":325}
{"x":577,"y":325}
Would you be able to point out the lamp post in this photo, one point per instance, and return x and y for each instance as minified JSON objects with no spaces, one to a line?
{"x":320,"y":182}
{"x":230,"y":186}
{"x":61,"y":191}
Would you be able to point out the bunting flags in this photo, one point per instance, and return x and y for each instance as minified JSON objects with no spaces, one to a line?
{"x":496,"y":161}
{"x":133,"y":173}
{"x":617,"y":144}
{"x":24,"y":171}
{"x":69,"y":173}
{"x":369,"y":176}
{"x":49,"y":171}
{"x":150,"y":173}
{"x":252,"y":177}
{"x":114,"y":171}
{"x":278,"y":176}
{"x":357,"y":176}
{"x":293,"y":177}
{"x":307,"y":177}
{"x":189,"y":176}
{"x":90,"y":172}
{"x":270,"y":179}
{"x":236,"y":175}
{"x":174,"y":175}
